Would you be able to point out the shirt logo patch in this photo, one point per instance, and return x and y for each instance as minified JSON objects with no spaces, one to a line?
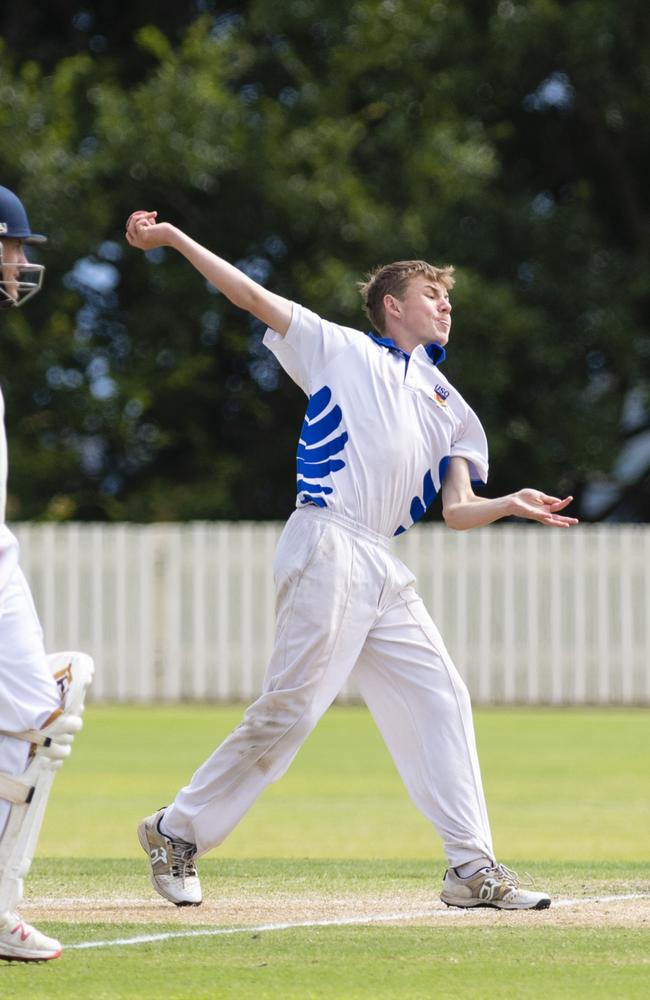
{"x":441,"y":395}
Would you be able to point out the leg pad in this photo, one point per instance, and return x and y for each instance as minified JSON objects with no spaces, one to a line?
{"x":29,"y":792}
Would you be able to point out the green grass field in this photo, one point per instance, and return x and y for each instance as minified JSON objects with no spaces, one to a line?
{"x":337,"y":839}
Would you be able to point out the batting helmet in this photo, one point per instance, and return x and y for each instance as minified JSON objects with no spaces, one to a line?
{"x":19,"y":278}
{"x":14,"y":223}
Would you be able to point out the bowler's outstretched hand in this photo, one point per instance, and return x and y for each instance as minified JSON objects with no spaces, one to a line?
{"x":537,"y":506}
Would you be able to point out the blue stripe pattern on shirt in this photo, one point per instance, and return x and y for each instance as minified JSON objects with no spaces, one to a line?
{"x":314,"y":460}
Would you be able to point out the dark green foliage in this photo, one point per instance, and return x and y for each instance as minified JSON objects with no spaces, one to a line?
{"x":310,"y":141}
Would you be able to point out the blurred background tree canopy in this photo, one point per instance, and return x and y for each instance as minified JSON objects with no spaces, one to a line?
{"x":307,"y":142}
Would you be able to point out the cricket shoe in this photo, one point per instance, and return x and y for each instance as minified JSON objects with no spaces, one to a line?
{"x":20,"y":942}
{"x":173,"y":874}
{"x":498,"y":887}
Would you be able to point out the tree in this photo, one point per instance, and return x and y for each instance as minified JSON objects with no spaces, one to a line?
{"x":309,"y":142}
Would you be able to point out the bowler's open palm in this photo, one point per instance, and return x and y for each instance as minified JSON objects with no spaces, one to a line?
{"x":537,"y":506}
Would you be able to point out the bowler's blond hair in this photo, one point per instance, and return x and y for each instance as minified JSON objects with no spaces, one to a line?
{"x":392,"y":279}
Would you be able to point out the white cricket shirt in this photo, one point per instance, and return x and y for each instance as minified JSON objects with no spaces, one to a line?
{"x":380,"y":425}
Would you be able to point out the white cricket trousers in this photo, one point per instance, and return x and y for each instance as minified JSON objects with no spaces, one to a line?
{"x":28,"y":691}
{"x":344,"y":604}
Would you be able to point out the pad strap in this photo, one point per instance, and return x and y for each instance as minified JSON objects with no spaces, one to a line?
{"x":30,"y":736}
{"x":15,"y":789}
{"x":37,"y":736}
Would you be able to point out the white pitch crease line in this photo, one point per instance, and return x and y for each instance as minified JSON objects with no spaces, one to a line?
{"x":92,"y":901}
{"x":218,"y":931}
{"x":599,"y":899}
{"x":344,"y":922}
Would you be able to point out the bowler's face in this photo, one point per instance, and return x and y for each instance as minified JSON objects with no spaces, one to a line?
{"x":426,"y":311}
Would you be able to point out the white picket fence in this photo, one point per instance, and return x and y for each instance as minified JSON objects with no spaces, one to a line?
{"x":185,"y":611}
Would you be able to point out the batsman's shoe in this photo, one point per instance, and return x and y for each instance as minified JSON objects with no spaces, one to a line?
{"x":497,"y":887}
{"x":20,"y":942}
{"x":173,"y":874}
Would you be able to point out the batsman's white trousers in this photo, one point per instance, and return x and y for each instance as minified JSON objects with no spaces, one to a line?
{"x":345,"y":603}
{"x":28,"y":691}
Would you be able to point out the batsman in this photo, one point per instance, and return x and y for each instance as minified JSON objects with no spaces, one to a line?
{"x":384,"y":432}
{"x":41,"y":697}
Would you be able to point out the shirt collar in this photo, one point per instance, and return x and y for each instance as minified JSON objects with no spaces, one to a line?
{"x":435,"y":352}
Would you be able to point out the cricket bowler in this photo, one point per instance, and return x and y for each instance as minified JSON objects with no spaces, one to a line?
{"x":384,"y":432}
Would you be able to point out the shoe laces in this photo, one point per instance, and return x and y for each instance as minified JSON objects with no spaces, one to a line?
{"x":512,"y":878}
{"x":182,"y":863}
